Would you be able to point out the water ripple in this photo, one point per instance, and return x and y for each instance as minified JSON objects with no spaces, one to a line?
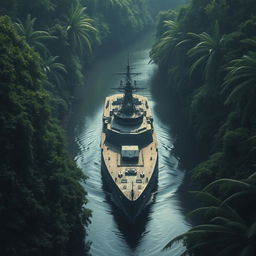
{"x":163,"y":218}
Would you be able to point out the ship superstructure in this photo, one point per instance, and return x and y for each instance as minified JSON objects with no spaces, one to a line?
{"x":129,"y":148}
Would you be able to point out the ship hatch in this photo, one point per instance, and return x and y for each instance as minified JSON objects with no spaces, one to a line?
{"x":130,"y":153}
{"x":131,"y":172}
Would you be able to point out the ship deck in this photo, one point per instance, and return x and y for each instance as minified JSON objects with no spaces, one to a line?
{"x":130,"y":185}
{"x":117,"y":168}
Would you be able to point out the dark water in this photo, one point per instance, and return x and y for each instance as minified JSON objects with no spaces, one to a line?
{"x":163,"y":218}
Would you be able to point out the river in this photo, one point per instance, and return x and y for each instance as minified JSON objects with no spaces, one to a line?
{"x":163,"y":218}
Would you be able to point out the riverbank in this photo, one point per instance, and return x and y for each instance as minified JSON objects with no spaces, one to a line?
{"x":209,"y":56}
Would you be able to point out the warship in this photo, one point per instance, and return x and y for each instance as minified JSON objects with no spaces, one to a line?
{"x":129,"y":152}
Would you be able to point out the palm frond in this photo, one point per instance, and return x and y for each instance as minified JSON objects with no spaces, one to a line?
{"x":241,"y":77}
{"x":206,"y":52}
{"x":196,"y":64}
{"x":80,"y":28}
{"x":230,"y":181}
{"x":239,"y":194}
{"x":35,"y":38}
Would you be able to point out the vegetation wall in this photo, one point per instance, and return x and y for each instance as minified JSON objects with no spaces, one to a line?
{"x":207,"y":49}
{"x":45,"y":48}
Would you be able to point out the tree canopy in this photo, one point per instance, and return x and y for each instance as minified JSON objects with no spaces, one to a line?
{"x":42,"y":201}
{"x":210,"y":60}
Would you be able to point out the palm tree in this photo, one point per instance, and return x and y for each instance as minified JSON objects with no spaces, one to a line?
{"x":240,"y":80}
{"x":222,"y":236}
{"x":240,"y":83}
{"x":244,"y":187}
{"x":54,"y":71}
{"x":35,"y":38}
{"x":224,"y":232}
{"x":162,"y":51}
{"x":79,"y":28}
{"x":207,"y":52}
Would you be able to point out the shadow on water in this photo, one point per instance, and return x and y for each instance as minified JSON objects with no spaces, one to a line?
{"x":168,"y":108}
{"x":132,"y":231}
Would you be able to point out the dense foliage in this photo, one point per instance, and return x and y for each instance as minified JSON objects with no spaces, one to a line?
{"x":45,"y":47}
{"x":226,"y":226}
{"x":208,"y":49}
{"x":41,"y":198}
{"x":72,"y":33}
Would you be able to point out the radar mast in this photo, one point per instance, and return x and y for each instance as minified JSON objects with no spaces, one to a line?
{"x":128,"y":106}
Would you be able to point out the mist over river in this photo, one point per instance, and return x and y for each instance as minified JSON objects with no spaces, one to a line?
{"x":163,"y":218}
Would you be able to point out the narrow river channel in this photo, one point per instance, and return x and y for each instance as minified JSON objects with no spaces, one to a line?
{"x":163,"y":218}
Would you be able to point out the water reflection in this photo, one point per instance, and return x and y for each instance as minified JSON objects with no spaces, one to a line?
{"x":162,"y":219}
{"x":132,"y":234}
